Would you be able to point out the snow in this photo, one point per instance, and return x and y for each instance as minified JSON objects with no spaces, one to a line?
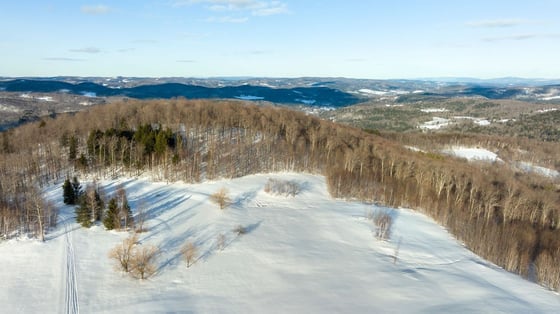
{"x":89,"y":94}
{"x":547,"y":110}
{"x":45,"y":98}
{"x":414,"y":149}
{"x":9,"y":108}
{"x":306,"y":101}
{"x":304,"y":254}
{"x":372,"y":92}
{"x":545,"y":172}
{"x":429,"y":110}
{"x":482,"y":122}
{"x":249,"y":97}
{"x":436,"y":124}
{"x":550,"y":97}
{"x":472,"y":153}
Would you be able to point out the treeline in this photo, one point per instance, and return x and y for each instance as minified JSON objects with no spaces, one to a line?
{"x":506,"y":218}
{"x":511,"y":149}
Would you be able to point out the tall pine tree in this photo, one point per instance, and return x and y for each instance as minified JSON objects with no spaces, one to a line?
{"x":83,"y":213}
{"x":90,"y":207}
{"x":77,"y":189}
{"x":111,"y":220}
{"x":68,"y":195}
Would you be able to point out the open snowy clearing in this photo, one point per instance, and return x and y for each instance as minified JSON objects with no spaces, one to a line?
{"x":471,"y":153}
{"x":302,"y":254}
{"x":545,"y":172}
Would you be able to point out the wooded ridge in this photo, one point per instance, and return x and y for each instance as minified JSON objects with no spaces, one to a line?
{"x":507,"y":218}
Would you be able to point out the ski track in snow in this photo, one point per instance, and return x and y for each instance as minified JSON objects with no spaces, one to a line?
{"x":71,"y":285}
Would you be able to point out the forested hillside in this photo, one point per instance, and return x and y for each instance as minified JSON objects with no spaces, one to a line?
{"x":506,"y":218}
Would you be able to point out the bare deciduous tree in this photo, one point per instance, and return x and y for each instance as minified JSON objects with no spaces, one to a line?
{"x":143,"y":260}
{"x":123,"y":253}
{"x":189,"y":251}
{"x":383,"y":222}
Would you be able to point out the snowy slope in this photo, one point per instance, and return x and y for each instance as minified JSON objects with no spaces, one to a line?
{"x":302,"y":254}
{"x":470,"y":153}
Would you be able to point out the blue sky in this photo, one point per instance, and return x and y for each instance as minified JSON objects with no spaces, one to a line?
{"x":284,"y":38}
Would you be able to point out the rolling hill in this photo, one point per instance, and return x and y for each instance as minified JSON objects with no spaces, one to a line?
{"x":308,"y":253}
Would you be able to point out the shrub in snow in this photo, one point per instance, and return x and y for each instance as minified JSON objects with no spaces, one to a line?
{"x":240,"y":230}
{"x":282,"y":187}
{"x":189,"y":251}
{"x":221,"y":241}
{"x":221,"y":198}
{"x":383,"y":222}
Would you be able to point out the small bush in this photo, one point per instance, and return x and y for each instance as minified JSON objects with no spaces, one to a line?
{"x":189,"y":251}
{"x":282,"y":187}
{"x":383,"y":222}
{"x":221,"y":198}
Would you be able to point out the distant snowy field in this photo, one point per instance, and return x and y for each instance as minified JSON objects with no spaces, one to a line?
{"x":303,"y":254}
{"x":471,"y":153}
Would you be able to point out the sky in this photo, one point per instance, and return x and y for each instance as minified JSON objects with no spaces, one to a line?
{"x":281,"y":38}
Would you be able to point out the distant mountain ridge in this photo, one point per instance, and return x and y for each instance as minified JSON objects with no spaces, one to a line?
{"x":310,"y":96}
{"x":307,"y":91}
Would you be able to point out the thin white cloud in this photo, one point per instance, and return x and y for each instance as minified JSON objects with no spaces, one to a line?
{"x":86,"y":50}
{"x":497,"y":23}
{"x":270,"y":8}
{"x":512,"y":37}
{"x":122,"y":50}
{"x":226,"y":19}
{"x":62,"y":59}
{"x":253,"y":7}
{"x":97,"y":9}
{"x":186,"y":61}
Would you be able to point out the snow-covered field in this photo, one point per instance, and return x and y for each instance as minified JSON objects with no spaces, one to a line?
{"x":435,"y":124}
{"x":302,"y":254}
{"x":471,"y":153}
{"x":249,"y":97}
{"x":545,"y":172}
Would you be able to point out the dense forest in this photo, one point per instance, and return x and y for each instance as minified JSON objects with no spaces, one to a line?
{"x":505,"y":217}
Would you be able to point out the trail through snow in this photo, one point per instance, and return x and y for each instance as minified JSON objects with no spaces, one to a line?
{"x":71,"y":284}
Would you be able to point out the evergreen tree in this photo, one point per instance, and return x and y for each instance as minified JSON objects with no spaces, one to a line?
{"x":111,"y":220}
{"x":72,"y":148}
{"x":68,"y":195}
{"x":90,"y":207}
{"x":82,"y":162}
{"x":77,"y":187}
{"x":98,"y":207}
{"x":83,"y":213}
